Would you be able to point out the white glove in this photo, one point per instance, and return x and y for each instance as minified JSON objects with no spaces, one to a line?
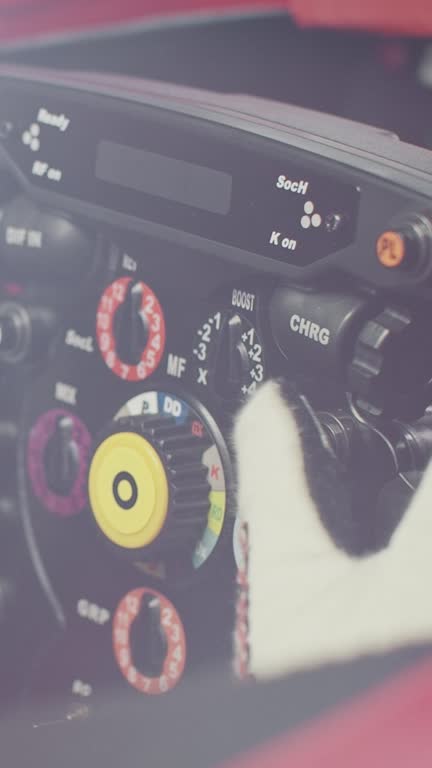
{"x":310,"y":603}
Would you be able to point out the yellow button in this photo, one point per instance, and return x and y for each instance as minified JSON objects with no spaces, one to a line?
{"x":128,"y":490}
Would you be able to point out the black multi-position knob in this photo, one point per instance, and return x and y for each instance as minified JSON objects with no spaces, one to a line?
{"x":148,"y":641}
{"x":131,"y":326}
{"x":232,"y":363}
{"x":148,"y":487}
{"x":391,"y":368}
{"x":62,"y":458}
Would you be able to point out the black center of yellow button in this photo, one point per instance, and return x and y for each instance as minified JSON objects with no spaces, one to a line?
{"x":125,"y":490}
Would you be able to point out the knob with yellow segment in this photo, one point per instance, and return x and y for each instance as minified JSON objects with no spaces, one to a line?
{"x":148,"y":486}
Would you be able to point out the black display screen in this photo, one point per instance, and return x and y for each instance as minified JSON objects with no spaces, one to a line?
{"x":190,"y":174}
{"x":165,"y":177}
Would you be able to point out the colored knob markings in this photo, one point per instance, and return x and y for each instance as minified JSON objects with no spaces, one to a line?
{"x":156,"y":481}
{"x":130,"y":329}
{"x":149,"y":641}
{"x":59,"y":448}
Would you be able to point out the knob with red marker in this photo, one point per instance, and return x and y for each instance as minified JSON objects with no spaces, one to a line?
{"x":57,"y":460}
{"x":130,"y":329}
{"x":149,"y":641}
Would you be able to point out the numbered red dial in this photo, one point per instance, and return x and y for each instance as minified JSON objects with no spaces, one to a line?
{"x":130,"y":329}
{"x":149,"y":641}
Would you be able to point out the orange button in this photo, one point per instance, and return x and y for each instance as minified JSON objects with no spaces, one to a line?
{"x":391,"y":249}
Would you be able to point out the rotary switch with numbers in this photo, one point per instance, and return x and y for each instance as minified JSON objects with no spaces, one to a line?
{"x":149,"y":641}
{"x":228,"y":355}
{"x":130,"y":329}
